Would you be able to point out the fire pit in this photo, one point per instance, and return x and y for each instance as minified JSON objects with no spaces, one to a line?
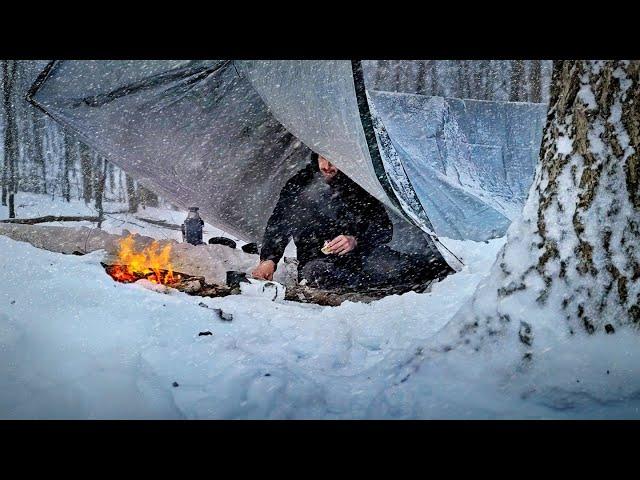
{"x":154,"y":265}
{"x":125,"y":274}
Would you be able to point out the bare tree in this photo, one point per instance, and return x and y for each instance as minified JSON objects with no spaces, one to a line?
{"x":37,"y":141}
{"x":380,"y":73}
{"x":100,"y":179}
{"x":535,"y":81}
{"x":132,"y":195}
{"x":9,"y":183}
{"x":86,"y":168}
{"x":147,"y":197}
{"x":517,"y":78}
{"x":66,"y":167}
{"x":462,"y":90}
{"x":421,"y":78}
{"x":433,"y":72}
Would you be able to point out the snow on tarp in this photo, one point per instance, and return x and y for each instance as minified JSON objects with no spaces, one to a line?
{"x":470,"y":162}
{"x":219,"y":134}
{"x":227,"y":135}
{"x":196,"y":132}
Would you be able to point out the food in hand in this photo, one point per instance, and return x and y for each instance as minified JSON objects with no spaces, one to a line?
{"x":326,"y":250}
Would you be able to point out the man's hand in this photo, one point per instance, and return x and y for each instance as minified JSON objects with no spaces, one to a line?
{"x":342,"y":244}
{"x":264,"y":270}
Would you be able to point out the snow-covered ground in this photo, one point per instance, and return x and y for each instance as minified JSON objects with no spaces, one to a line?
{"x":76,"y":344}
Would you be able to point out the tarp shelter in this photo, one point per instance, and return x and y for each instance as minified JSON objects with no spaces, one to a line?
{"x":470,"y":162}
{"x":226,"y":135}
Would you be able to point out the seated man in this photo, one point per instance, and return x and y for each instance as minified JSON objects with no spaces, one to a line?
{"x":340,"y":233}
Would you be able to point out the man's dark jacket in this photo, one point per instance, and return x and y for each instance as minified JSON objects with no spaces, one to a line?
{"x":313,"y":211}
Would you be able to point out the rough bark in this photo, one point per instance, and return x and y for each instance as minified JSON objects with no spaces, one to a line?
{"x":86,"y":167}
{"x":397,"y":77}
{"x":66,"y":167}
{"x":463,"y":79}
{"x":10,"y":137}
{"x":146,"y":197}
{"x":535,"y":81}
{"x":132,"y":195}
{"x":37,"y":175}
{"x":5,"y":177}
{"x":421,"y":79}
{"x":517,"y":79}
{"x":380,"y":71}
{"x":100,"y":179}
{"x":433,"y":73}
{"x":489,"y":85}
{"x":572,"y":263}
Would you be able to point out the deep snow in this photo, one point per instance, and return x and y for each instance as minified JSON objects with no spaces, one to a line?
{"x":76,"y":344}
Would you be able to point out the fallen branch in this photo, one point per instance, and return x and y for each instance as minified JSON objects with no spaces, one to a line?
{"x":51,"y":218}
{"x":333,"y":298}
{"x":160,"y":223}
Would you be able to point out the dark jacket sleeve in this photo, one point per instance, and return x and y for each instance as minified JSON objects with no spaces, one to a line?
{"x":376,"y":227}
{"x":280,"y":225}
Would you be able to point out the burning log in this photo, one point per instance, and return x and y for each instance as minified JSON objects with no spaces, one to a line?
{"x":209,"y":261}
{"x":192,"y":285}
{"x":153,"y":264}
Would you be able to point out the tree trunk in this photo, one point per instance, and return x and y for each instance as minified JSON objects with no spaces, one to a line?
{"x":10,"y":136}
{"x":381,"y":74}
{"x":397,"y":75}
{"x":38,"y":142}
{"x":147,"y":197}
{"x":434,"y":77}
{"x":421,"y":80}
{"x":68,"y":159}
{"x":571,"y":265}
{"x":5,"y":161}
{"x":86,"y":166}
{"x":462,"y":79}
{"x":479,"y":74}
{"x":535,"y":81}
{"x":517,"y":79}
{"x":132,"y":195}
{"x":101,"y":178}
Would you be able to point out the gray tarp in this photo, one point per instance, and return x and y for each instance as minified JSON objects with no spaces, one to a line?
{"x":470,"y":162}
{"x":227,"y":135}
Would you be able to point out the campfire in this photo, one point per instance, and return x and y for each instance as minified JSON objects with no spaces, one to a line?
{"x":152,"y":263}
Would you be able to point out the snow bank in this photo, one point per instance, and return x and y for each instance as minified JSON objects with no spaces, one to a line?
{"x":76,"y":344}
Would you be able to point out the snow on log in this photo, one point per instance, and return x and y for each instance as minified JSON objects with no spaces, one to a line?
{"x":209,"y":261}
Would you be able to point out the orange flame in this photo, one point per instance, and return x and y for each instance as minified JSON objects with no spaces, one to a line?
{"x":152,"y":263}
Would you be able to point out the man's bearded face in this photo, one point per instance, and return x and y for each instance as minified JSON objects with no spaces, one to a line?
{"x":327,"y":169}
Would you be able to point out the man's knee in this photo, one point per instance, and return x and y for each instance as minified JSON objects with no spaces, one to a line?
{"x":388,"y":266}
{"x":325,"y":274}
{"x":314,"y":268}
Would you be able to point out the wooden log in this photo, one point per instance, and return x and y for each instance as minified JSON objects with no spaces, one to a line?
{"x":51,"y":218}
{"x":160,"y":223}
{"x":56,"y":218}
{"x":304,"y":294}
{"x":333,"y":298}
